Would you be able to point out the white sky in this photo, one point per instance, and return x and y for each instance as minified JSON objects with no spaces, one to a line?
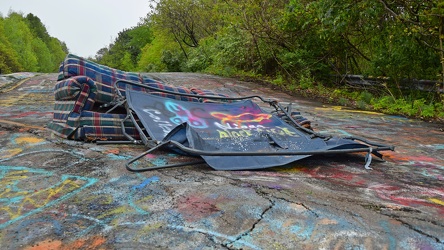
{"x":84,"y":25}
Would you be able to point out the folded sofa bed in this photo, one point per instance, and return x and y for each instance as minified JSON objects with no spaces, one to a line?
{"x":94,"y":102}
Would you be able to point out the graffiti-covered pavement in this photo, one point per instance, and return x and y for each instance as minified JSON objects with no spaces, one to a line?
{"x":60,"y":194}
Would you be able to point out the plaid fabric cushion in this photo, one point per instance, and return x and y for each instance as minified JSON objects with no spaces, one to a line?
{"x":172,"y":89}
{"x":103,"y":76}
{"x":77,"y":66}
{"x":70,"y":89}
{"x":80,"y":88}
{"x":81,"y":91}
{"x":95,"y":133}
{"x":61,"y":129}
{"x":62,"y":109}
{"x":93,"y":126}
{"x":83,"y":83}
{"x":90,"y":118}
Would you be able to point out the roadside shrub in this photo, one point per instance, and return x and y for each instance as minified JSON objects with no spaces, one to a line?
{"x":173,"y":60}
{"x":382,"y":103}
{"x":343,"y":101}
{"x":365,"y":97}
{"x":306,"y":80}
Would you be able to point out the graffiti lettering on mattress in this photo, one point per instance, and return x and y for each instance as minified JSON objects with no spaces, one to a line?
{"x":244,"y":119}
{"x":165,"y":125}
{"x":240,"y":119}
{"x":235,"y":133}
{"x":184,"y":115}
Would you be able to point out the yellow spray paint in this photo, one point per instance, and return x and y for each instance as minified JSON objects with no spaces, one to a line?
{"x":14,"y":100}
{"x":23,"y":142}
{"x":150,"y":227}
{"x":28,"y":140}
{"x":119,"y":210}
{"x":342,"y":109}
{"x":436,"y":201}
{"x":13,"y":85}
{"x":33,"y":200}
{"x":8,"y":153}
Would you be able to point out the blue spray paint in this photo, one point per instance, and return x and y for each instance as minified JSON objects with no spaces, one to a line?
{"x":136,"y":188}
{"x":146,"y":182}
{"x":392,"y":240}
{"x":89,"y":182}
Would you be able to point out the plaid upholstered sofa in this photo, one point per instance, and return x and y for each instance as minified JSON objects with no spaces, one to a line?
{"x":85,"y":92}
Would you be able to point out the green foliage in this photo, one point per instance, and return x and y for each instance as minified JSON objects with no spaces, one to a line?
{"x":343,"y":101}
{"x":126,"y":51}
{"x":20,"y":37}
{"x":306,"y":80}
{"x":287,"y":38}
{"x":414,"y":108}
{"x":127,"y":63}
{"x":232,"y":50}
{"x":365,"y":96}
{"x":8,"y":56}
{"x":299,"y":44}
{"x":172,"y":60}
{"x":199,"y":60}
{"x":25,"y":45}
{"x":382,"y":103}
{"x":37,"y":28}
{"x":151,"y":53}
{"x":58,"y":52}
{"x":43,"y":55}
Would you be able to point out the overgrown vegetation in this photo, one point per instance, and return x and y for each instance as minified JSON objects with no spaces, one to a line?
{"x":302,"y":46}
{"x":25,"y":45}
{"x":298,"y":45}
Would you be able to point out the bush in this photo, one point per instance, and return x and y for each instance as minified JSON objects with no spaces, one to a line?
{"x":382,"y":103}
{"x":365,"y":97}
{"x":173,"y":60}
{"x":306,"y":80}
{"x":198,"y":60}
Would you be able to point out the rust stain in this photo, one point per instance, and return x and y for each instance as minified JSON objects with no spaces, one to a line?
{"x":92,"y":243}
{"x":115,"y":151}
{"x":46,"y":245}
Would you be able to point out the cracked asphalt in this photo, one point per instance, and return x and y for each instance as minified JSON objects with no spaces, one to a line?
{"x":61,"y":194}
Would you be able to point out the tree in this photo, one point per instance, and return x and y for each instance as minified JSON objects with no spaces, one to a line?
{"x":9,"y":61}
{"x":43,"y":55}
{"x":423,"y":21}
{"x":58,"y":51}
{"x":124,"y":53}
{"x":188,"y":21}
{"x":37,"y":28}
{"x":20,"y":37}
{"x":26,"y":45}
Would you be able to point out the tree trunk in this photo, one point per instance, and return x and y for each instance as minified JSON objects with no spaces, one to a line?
{"x":441,"y":36}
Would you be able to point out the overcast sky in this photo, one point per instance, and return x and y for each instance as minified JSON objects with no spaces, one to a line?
{"x":84,"y":25}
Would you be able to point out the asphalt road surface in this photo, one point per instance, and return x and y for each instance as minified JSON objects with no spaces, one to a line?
{"x":62,"y":194}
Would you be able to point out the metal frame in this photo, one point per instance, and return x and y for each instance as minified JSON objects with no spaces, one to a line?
{"x":372,"y":147}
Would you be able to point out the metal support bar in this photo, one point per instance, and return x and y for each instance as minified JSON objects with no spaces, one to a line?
{"x":128,"y":167}
{"x":370,"y":150}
